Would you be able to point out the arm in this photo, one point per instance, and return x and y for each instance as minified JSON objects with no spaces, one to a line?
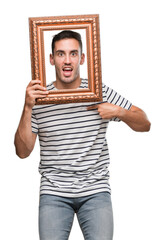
{"x":24,"y":137}
{"x":135,"y":118}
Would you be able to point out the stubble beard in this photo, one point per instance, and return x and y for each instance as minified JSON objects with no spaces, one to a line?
{"x":68,"y":80}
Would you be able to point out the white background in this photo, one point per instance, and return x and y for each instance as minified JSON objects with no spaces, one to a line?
{"x":133,"y":63}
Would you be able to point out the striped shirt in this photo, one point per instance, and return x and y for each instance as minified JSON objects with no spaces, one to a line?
{"x":74,"y":156}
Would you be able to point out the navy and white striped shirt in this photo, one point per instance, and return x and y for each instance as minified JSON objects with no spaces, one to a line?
{"x":73,"y":146}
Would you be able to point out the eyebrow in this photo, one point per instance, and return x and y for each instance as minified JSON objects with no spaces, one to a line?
{"x":62,"y":51}
{"x":59,"y":51}
{"x":74,"y":50}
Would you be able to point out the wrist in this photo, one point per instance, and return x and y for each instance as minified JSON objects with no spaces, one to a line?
{"x":27,"y":108}
{"x":120,"y":112}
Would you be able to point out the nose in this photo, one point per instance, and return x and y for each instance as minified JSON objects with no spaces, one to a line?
{"x":67,"y":59}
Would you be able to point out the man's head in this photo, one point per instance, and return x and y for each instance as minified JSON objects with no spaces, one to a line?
{"x":67,"y":57}
{"x":66,"y":34}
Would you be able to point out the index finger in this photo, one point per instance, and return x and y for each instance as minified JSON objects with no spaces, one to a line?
{"x":35,"y":81}
{"x":93,"y":107}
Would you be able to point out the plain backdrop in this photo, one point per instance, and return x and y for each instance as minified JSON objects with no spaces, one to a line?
{"x":133,"y":63}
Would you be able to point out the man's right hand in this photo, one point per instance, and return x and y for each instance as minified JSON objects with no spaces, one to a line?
{"x":33,"y":91}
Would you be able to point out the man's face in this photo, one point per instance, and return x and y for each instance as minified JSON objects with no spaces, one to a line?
{"x":67,"y":59}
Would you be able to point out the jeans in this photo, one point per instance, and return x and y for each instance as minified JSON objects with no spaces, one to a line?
{"x":94,"y":215}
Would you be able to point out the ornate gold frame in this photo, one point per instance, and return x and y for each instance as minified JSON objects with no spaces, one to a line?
{"x":90,"y":23}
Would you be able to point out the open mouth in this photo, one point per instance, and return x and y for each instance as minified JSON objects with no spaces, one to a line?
{"x":67,"y":71}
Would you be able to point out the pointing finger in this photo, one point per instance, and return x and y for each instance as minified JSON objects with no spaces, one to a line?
{"x":93,"y":107}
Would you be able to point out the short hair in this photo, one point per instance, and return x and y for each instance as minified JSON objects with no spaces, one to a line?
{"x":64,"y":35}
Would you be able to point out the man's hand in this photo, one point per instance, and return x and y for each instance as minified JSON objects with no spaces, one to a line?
{"x":33,"y":91}
{"x":135,"y":118}
{"x":105,"y":110}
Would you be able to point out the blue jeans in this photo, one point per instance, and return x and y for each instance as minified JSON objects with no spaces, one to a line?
{"x":94,"y":215}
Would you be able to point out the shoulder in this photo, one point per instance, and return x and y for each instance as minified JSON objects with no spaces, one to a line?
{"x":84,"y":83}
{"x":107,"y":91}
{"x":50,"y":86}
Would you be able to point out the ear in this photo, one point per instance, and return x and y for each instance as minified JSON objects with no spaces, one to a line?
{"x":82,"y":59}
{"x":51,"y":57}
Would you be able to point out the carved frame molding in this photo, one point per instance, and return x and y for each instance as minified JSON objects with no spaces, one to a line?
{"x":90,"y":23}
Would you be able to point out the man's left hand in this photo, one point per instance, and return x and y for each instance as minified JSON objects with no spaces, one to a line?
{"x":105,"y":110}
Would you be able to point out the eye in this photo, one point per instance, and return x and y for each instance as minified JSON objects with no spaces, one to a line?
{"x":74,"y":54}
{"x":60,"y":54}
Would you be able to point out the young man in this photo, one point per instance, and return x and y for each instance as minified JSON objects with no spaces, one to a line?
{"x":74,"y":152}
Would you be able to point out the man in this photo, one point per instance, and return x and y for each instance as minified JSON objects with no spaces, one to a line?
{"x":74,"y":152}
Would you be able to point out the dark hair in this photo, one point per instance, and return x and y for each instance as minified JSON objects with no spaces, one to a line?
{"x":64,"y":35}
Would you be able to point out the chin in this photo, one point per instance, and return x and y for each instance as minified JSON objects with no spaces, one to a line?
{"x":68,"y":80}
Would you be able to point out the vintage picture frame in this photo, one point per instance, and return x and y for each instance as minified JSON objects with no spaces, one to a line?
{"x":39,"y":26}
